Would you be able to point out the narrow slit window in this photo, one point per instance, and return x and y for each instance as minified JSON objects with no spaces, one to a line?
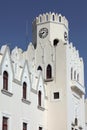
{"x":39,"y":98}
{"x":24,"y":90}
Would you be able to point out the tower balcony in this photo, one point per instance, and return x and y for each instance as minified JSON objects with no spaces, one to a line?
{"x":77,"y":87}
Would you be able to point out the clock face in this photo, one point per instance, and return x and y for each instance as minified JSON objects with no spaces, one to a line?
{"x":65,"y":36}
{"x":43,"y":32}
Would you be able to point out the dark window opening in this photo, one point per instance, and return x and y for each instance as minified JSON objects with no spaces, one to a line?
{"x":24,"y":126}
{"x":5,"y":80}
{"x":53,"y":18}
{"x":76,"y":121}
{"x":39,"y":68}
{"x":55,"y":42}
{"x":56,"y":95}
{"x":49,"y":72}
{"x":39,"y":98}
{"x":5,"y":123}
{"x":59,"y":18}
{"x":24,"y":90}
{"x":40,"y":128}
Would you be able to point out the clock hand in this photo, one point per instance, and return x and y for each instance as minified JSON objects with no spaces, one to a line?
{"x":43,"y":32}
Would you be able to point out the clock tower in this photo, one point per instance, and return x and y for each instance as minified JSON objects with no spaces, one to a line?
{"x":50,"y":26}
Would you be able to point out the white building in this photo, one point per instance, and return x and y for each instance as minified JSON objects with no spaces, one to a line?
{"x":42,"y":88}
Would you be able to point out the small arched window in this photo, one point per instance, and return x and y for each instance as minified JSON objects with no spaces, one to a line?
{"x":76,"y":121}
{"x":24,"y":90}
{"x":39,"y":68}
{"x":39,"y":98}
{"x":59,"y":18}
{"x":71,"y":73}
{"x":5,"y":80}
{"x":49,"y":72}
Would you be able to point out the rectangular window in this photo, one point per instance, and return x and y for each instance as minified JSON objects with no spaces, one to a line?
{"x":24,"y":126}
{"x":56,"y":95}
{"x":5,"y":123}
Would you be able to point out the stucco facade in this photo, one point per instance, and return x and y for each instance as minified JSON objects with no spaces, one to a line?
{"x":51,"y":67}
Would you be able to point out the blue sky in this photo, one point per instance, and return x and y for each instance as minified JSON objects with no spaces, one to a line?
{"x":15,"y":13}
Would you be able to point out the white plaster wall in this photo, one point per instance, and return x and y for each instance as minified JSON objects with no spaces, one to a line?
{"x":20,"y":111}
{"x":74,"y":100}
{"x":57,"y":109}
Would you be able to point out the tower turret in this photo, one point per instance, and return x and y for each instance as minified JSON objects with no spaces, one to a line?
{"x":50,"y":26}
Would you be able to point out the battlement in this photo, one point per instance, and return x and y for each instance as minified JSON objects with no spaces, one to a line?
{"x":51,"y":17}
{"x":75,"y":52}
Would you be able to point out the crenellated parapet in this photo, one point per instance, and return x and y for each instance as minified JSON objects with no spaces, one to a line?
{"x":75,"y":52}
{"x":51,"y":17}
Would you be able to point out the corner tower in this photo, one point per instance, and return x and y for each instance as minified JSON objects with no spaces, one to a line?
{"x":50,"y":26}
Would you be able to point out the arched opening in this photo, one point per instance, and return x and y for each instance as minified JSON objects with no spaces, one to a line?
{"x":49,"y":72}
{"x":5,"y":123}
{"x":55,"y":42}
{"x":59,"y":18}
{"x":24,"y":90}
{"x":24,"y":126}
{"x":5,"y":80}
{"x":76,"y":121}
{"x":39,"y":68}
